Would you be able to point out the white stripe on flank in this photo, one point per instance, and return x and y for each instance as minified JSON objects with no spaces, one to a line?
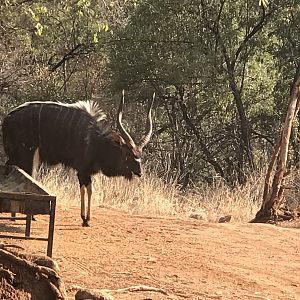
{"x":89,"y":106}
{"x":35,"y":163}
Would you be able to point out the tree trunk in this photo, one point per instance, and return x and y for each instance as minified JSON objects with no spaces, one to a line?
{"x":246,"y":155}
{"x":274,"y":187}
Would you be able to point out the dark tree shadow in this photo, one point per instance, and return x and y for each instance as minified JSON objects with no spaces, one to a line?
{"x":12,"y":228}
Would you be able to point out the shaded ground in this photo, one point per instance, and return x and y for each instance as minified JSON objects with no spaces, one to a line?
{"x":189,"y":259}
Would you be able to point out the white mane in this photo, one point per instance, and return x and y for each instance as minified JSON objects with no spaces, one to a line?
{"x":92,"y":108}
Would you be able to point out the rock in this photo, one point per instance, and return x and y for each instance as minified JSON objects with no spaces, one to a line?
{"x":225,"y":219}
{"x":199,"y":215}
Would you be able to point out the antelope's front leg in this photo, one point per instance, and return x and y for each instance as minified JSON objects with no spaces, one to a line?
{"x":85,"y":183}
{"x":89,"y":193}
{"x":82,"y":203}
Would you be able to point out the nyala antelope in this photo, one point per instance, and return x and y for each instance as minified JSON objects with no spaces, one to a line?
{"x":77,"y":136}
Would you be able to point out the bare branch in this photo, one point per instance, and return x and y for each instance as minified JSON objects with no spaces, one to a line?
{"x":254,"y":30}
{"x":189,"y":122}
{"x":79,"y":49}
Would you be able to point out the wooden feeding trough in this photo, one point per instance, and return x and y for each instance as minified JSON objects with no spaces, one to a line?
{"x":20,"y":193}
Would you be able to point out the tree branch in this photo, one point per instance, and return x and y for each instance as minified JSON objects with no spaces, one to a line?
{"x":189,"y":122}
{"x":77,"y":50}
{"x":254,"y":30}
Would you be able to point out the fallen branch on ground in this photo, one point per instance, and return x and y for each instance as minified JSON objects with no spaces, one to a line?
{"x":45,"y":274}
{"x":5,"y":246}
{"x":105,"y":294}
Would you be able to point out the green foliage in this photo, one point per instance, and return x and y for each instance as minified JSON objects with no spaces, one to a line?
{"x":219,"y":54}
{"x":59,"y":45}
{"x":221,"y":70}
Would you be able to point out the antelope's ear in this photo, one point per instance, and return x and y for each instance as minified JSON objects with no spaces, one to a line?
{"x":117,"y":138}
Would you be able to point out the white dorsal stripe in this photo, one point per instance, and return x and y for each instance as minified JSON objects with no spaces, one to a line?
{"x":91,"y":107}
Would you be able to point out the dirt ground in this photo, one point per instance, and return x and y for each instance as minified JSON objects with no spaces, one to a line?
{"x":188,"y":259}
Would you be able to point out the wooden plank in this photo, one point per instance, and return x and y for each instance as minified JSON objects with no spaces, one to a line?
{"x":15,"y":179}
{"x":23,"y":237}
{"x":25,"y":196}
{"x":25,"y":206}
{"x":13,"y":218}
{"x":20,"y":193}
{"x":35,"y":183}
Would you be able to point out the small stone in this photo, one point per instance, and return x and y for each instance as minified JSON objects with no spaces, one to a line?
{"x":199,"y":216}
{"x":225,"y":219}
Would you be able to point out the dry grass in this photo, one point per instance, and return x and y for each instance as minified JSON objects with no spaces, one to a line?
{"x":148,"y":195}
{"x":151,"y":196}
{"x":241,"y":202}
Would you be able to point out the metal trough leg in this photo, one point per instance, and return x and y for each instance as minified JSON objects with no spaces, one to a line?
{"x":13,"y":216}
{"x":28,"y":225}
{"x":51,"y":228}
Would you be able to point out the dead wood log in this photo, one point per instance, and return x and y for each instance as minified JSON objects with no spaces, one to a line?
{"x":7,"y":291}
{"x":40,"y":274}
{"x":138,"y":288}
{"x":92,"y":294}
{"x":105,"y":294}
{"x":30,"y":266}
{"x":44,"y":261}
{"x":6,"y":246}
{"x":7,"y":275}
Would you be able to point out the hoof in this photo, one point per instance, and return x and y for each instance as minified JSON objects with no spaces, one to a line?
{"x":85,"y":223}
{"x":33,"y":218}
